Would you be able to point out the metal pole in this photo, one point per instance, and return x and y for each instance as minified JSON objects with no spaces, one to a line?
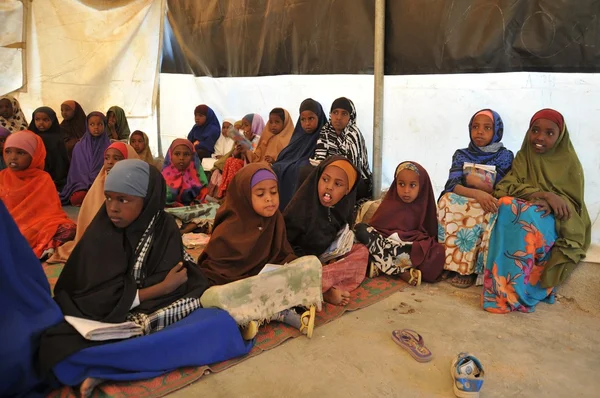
{"x":378,"y":96}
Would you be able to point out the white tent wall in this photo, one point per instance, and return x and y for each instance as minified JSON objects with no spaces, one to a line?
{"x":99,"y":53}
{"x":425,"y":117}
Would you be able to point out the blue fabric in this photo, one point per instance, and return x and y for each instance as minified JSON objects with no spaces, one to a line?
{"x":27,"y":310}
{"x":204,"y":337}
{"x":207,"y":134}
{"x":502,"y":159}
{"x":519,"y":249}
{"x":294,"y":156}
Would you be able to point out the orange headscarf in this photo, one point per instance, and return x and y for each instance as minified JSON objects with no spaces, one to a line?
{"x":31,"y":198}
{"x":94,"y":199}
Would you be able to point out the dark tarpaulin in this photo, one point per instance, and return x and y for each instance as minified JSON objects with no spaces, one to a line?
{"x":271,"y":37}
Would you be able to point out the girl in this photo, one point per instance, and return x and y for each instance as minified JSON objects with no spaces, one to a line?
{"x":118,"y":127}
{"x":94,"y":199}
{"x":466,"y":206}
{"x":543,"y":228}
{"x":130,"y":265}
{"x":275,"y":137}
{"x":87,"y":160}
{"x":30,"y":195}
{"x":341,"y":136}
{"x":249,"y":233}
{"x":140,"y":142}
{"x":11,"y":115}
{"x":186,"y":181}
{"x":73,"y":125}
{"x":403,"y":232}
{"x":45,"y":124}
{"x":4,"y":133}
{"x":205,"y":132}
{"x":321,"y":208}
{"x":301,"y":147}
{"x":223,"y":146}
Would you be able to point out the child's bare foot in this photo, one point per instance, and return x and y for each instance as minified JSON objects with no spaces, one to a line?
{"x":88,"y":385}
{"x":336,"y":296}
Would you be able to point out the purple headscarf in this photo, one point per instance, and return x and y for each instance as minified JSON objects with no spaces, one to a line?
{"x":258,"y":124}
{"x":88,"y":158}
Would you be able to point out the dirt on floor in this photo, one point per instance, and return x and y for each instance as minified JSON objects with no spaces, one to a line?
{"x":553,"y":352}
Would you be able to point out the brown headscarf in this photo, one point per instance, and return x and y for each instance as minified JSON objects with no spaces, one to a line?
{"x":243,"y":241}
{"x":271,"y":145}
{"x":414,"y":222}
{"x":146,"y":154}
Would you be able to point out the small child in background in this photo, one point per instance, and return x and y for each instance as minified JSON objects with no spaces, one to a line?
{"x":4,"y":133}
{"x":186,"y":181}
{"x":117,"y":125}
{"x":205,"y":132}
{"x":45,"y":124}
{"x":275,"y":137}
{"x":11,"y":115}
{"x":73,"y":125}
{"x":87,"y":161}
{"x":140,"y":142}
{"x":402,"y":236}
{"x":223,"y":146}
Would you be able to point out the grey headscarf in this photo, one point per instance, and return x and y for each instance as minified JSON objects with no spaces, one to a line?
{"x":130,"y":177}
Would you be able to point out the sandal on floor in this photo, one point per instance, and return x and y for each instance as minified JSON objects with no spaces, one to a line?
{"x":458,"y":281}
{"x":415,"y":274}
{"x":308,"y":321}
{"x":373,"y":271}
{"x":412,"y":342}
{"x":468,"y":375}
{"x":250,"y":331}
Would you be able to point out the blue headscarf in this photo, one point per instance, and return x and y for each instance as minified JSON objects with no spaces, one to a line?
{"x":27,"y":310}
{"x":297,"y":153}
{"x":208,"y":133}
{"x":494,"y":154}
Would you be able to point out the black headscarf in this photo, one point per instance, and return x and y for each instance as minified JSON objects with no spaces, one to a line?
{"x":97,"y":281}
{"x":57,"y":160}
{"x":312,"y":227}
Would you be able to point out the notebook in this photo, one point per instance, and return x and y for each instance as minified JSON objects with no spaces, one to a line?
{"x":100,"y":331}
{"x":340,"y":246}
{"x":485,"y":172}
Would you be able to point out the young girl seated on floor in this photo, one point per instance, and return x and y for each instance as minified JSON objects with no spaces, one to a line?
{"x":45,"y":124}
{"x":88,"y":159}
{"x":139,"y":141}
{"x":467,"y":206}
{"x":274,"y":138}
{"x":205,"y":132}
{"x":322,"y":207}
{"x":73,"y":125}
{"x":250,"y":233}
{"x":130,"y":265}
{"x":11,"y":115}
{"x":543,"y":228}
{"x":4,"y":133}
{"x":402,"y":235}
{"x":117,"y":125}
{"x":186,"y":181}
{"x":30,"y":195}
{"x":95,"y":198}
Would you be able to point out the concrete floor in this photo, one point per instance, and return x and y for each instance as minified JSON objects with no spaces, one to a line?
{"x":554,"y":352}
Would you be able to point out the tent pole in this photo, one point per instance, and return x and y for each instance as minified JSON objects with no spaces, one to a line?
{"x":379,"y":59}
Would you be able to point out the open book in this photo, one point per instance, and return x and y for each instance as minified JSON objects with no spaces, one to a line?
{"x":269,"y":268}
{"x":340,"y":246}
{"x":100,"y":331}
{"x":239,"y":138}
{"x":485,"y":172}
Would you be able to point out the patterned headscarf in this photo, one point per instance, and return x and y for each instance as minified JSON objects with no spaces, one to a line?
{"x":17,"y":121}
{"x":183,"y":188}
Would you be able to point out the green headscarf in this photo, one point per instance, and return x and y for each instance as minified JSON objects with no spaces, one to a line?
{"x":122,"y":125}
{"x":558,"y":171}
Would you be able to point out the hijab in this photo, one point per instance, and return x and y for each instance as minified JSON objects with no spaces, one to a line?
{"x":350,"y":144}
{"x":312,"y":227}
{"x":296,"y":154}
{"x":256,"y":121}
{"x":75,"y":127}
{"x":57,"y":160}
{"x":146,"y":154}
{"x":17,"y":121}
{"x":494,"y":154}
{"x":413,"y":222}
{"x":122,"y":125}
{"x":30,"y":194}
{"x":207,"y":134}
{"x":4,"y":133}
{"x":93,"y":201}
{"x":559,"y":171}
{"x":27,"y":310}
{"x":184,"y":187}
{"x":270,"y":144}
{"x":225,"y":144}
{"x":243,"y":242}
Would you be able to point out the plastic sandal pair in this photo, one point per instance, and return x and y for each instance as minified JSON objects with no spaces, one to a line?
{"x":308,"y":321}
{"x":412,"y":342}
{"x":467,"y":373}
{"x":415,"y":275}
{"x":250,"y":330}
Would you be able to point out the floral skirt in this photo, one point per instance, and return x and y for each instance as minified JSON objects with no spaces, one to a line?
{"x":519,"y":249}
{"x":464,"y":229}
